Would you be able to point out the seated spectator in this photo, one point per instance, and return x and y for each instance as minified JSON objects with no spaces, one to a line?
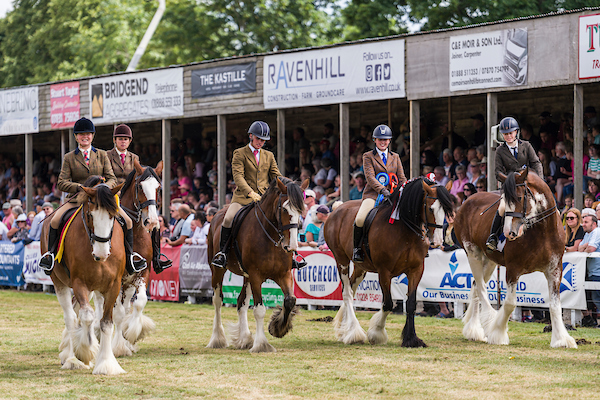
{"x":198,"y":226}
{"x":163,"y":229}
{"x":588,"y":201}
{"x":594,"y":188}
{"x":481,"y":185}
{"x":326,"y":175}
{"x":307,"y":216}
{"x":589,"y":244}
{"x":440,"y":175}
{"x":574,"y":230}
{"x":527,"y":134}
{"x":3,"y":231}
{"x":325,"y":151}
{"x":449,"y":164}
{"x":321,"y":241}
{"x":185,"y":214}
{"x":567,"y":207}
{"x":459,"y":183}
{"x":335,"y":195}
{"x":314,"y":228}
{"x":474,"y":171}
{"x":36,"y":225}
{"x":468,"y":190}
{"x":593,"y":170}
{"x":22,"y":232}
{"x":359,"y":186}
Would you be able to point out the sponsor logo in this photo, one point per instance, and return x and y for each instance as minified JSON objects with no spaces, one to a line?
{"x":568,"y":282}
{"x":320,"y":278}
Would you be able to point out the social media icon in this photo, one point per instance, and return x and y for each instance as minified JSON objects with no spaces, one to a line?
{"x":378,"y":72}
{"x":369,"y":73}
{"x":387,"y":71}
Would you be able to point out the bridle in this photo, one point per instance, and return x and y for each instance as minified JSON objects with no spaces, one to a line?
{"x":85,"y":215}
{"x":280,"y":228}
{"x":136,"y":214}
{"x":528,"y":222}
{"x":418,"y":229}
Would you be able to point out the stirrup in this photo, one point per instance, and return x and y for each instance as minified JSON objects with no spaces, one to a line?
{"x":492,"y":243}
{"x":47,"y":269}
{"x":219,"y":260}
{"x":357,"y":255}
{"x":298,"y":264}
{"x":138,"y":265}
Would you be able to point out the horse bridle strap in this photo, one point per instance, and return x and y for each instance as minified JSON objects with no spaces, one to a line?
{"x":280,"y":230}
{"x":136,"y":214}
{"x":92,"y":236}
{"x":530,"y":221}
{"x":429,"y":224}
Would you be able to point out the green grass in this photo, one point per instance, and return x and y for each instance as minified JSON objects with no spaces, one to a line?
{"x":309,"y":364}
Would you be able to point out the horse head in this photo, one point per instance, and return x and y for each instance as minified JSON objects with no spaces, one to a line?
{"x":292,"y":201}
{"x":525,"y":200}
{"x":98,"y":215}
{"x":147,"y":193}
{"x":437,"y":204}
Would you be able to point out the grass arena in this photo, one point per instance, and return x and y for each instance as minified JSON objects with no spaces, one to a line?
{"x":309,"y":363}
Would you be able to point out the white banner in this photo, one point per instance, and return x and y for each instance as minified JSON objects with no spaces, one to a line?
{"x":31,"y":270}
{"x":488,"y":59}
{"x":361,"y":72}
{"x":137,"y":96}
{"x":19,"y":111}
{"x":589,"y":46}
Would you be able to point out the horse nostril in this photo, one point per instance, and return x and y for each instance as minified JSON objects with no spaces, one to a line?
{"x":96,"y":258}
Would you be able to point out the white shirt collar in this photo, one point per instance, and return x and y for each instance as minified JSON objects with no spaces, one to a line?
{"x":118,"y":152}
{"x":88,"y":150}
{"x":382,"y":152}
{"x":252,"y":148}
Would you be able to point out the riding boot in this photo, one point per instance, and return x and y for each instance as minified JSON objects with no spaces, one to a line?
{"x":357,"y":253}
{"x":47,"y":260}
{"x":492,"y":241}
{"x":135,"y":262}
{"x":158,"y":264}
{"x":220,"y":259}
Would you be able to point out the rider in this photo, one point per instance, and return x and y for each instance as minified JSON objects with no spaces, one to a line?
{"x":253,"y":168}
{"x":78,"y":165}
{"x":511,"y":156}
{"x":381,"y":159}
{"x":122,"y":161}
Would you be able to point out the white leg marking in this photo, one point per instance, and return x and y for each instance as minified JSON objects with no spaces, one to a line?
{"x":261,"y":344}
{"x":218,"y":340}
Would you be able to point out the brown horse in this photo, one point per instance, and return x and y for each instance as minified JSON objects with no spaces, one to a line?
{"x":395,"y":249}
{"x":93,"y":260}
{"x":266,"y":237}
{"x":138,"y":199}
{"x":536,"y":242}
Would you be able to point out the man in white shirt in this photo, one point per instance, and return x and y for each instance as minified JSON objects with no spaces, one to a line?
{"x":36,"y":225}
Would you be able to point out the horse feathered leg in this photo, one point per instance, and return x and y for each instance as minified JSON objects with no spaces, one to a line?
{"x":106,"y":363}
{"x":472,"y":329}
{"x":377,"y":333}
{"x":281,"y":319}
{"x":409,"y":335}
{"x":497,"y":332}
{"x":241,"y":338}
{"x":67,"y":355}
{"x":560,"y":336}
{"x":99,"y":309}
{"x":218,"y":340}
{"x":261,"y":344}
{"x":85,"y":343}
{"x":136,"y":325}
{"x":120,"y":346}
{"x":350,"y":331}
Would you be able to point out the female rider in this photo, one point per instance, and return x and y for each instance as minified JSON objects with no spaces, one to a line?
{"x":78,"y":165}
{"x":122,"y":163}
{"x":381,"y":159}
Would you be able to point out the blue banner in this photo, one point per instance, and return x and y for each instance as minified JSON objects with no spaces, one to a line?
{"x":11,"y":263}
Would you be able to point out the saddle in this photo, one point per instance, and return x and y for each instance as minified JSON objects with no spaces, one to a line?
{"x":235,"y":228}
{"x":367,"y":226}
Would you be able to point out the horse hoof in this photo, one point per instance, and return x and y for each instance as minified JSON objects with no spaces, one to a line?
{"x":263,"y":348}
{"x":74,"y":363}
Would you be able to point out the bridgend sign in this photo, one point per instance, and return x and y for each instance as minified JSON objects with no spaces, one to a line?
{"x":589,"y":46}
{"x":488,"y":59}
{"x":19,"y":111}
{"x":362,"y":72}
{"x":139,"y":96}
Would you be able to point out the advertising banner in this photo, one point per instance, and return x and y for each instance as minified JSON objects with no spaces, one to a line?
{"x":229,"y":79}
{"x":165,"y":286}
{"x":488,"y":59}
{"x":137,"y":96}
{"x":19,"y":111}
{"x":194,"y":272}
{"x":360,"y":72}
{"x":31,"y":269}
{"x":64,"y":105}
{"x":589,"y":46}
{"x":11,"y":263}
{"x":232,"y":285}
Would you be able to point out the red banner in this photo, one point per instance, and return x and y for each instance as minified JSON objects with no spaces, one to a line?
{"x":64,"y":103}
{"x":165,"y":286}
{"x":319,"y":279}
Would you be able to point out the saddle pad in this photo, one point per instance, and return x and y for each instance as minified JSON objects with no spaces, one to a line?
{"x":501,"y":242}
{"x":63,"y":233}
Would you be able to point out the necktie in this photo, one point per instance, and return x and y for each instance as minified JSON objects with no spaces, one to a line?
{"x":86,"y":157}
{"x":123,"y":159}
{"x":256,"y":156}
{"x":384,"y":158}
{"x":514,"y":149}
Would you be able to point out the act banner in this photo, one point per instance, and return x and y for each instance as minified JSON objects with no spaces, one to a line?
{"x":11,"y":263}
{"x":165,"y":286}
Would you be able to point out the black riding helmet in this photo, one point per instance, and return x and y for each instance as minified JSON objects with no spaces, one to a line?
{"x":83,"y":125}
{"x":260,"y":129}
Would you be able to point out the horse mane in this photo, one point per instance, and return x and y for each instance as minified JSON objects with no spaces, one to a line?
{"x":91,"y":181}
{"x":147,"y":172}
{"x":411,"y":202}
{"x":128,"y":181}
{"x":445,"y":199}
{"x":294,"y":192}
{"x":509,"y":189}
{"x":105,"y":199}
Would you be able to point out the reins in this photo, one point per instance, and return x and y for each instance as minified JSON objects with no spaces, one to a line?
{"x":280,"y":229}
{"x":528,"y":222}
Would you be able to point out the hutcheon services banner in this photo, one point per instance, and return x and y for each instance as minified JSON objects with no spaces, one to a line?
{"x":19,"y":111}
{"x":488,"y":59}
{"x":341,"y":74}
{"x":64,"y":105}
{"x":137,"y":96}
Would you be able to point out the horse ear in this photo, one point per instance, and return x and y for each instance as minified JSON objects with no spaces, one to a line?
{"x":305,"y":184}
{"x":282,"y":187}
{"x":116,"y":189}
{"x":138,"y":167}
{"x":427,"y":189}
{"x":524,"y":172}
{"x":159,"y":168}
{"x":501,"y":177}
{"x":89,"y":191}
{"x":449,"y":185}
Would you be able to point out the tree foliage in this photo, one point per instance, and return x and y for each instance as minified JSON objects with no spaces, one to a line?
{"x":373,"y":18}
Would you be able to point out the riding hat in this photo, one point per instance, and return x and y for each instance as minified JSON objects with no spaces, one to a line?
{"x":84,"y":125}
{"x":260,"y":129}
{"x":508,"y":124}
{"x":382,"y":132}
{"x":123,"y":131}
